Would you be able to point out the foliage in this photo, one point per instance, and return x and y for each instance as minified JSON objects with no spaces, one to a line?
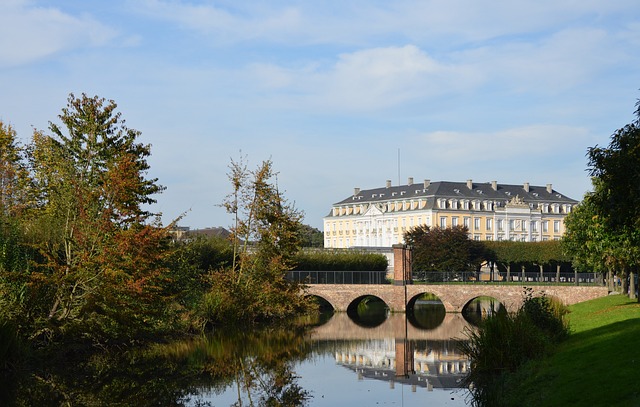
{"x":259,"y":362}
{"x":586,"y":238}
{"x":608,"y":225}
{"x":14,"y":177}
{"x":311,"y":237}
{"x":339,"y":260}
{"x":448,"y":249}
{"x":266,"y":236}
{"x":192,"y":261}
{"x":97,"y":269}
{"x":504,"y":342}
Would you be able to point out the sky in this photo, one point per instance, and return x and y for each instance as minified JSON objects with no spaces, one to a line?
{"x":338,"y":94}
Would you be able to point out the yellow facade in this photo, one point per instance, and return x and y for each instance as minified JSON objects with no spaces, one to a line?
{"x":380,"y":217}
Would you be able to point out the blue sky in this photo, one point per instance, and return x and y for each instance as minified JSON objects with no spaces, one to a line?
{"x":335,"y":91}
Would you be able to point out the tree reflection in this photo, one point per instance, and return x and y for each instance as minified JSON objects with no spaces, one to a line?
{"x":259,"y":364}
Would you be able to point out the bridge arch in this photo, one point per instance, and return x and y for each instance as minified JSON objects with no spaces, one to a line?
{"x":425,"y":311}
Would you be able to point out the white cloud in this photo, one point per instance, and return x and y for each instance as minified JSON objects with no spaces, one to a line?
{"x":359,"y":22}
{"x":368,"y":79}
{"x":28,"y":32}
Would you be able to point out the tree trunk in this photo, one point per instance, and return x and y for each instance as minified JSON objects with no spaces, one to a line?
{"x":632,"y":286}
{"x":508,"y":272}
{"x":558,"y":274}
{"x":541,"y":273}
{"x":522,"y":272}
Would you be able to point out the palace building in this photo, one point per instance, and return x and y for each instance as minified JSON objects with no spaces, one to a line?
{"x":379,"y":217}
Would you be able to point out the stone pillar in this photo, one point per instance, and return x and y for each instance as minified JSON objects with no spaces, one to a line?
{"x":402,"y":264}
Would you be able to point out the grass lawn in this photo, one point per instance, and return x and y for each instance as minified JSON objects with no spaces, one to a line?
{"x":598,"y":365}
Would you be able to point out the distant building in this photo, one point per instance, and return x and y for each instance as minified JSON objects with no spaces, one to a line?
{"x":379,"y":217}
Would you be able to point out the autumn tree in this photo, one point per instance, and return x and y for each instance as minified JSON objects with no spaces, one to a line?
{"x":266,"y":236}
{"x":102,"y":254}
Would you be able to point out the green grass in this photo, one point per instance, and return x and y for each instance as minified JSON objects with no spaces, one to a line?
{"x":598,"y":365}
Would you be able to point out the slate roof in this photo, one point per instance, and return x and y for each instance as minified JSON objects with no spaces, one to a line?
{"x":458,"y":190}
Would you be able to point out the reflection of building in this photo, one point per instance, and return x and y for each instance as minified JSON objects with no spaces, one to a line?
{"x":379,"y":217}
{"x":436,"y":366}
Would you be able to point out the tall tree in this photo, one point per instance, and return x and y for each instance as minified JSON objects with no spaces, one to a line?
{"x":103,"y":257}
{"x":266,"y":236}
{"x":616,"y":198}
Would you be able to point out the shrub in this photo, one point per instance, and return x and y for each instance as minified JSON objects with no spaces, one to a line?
{"x":339,"y":260}
{"x":505,"y":342}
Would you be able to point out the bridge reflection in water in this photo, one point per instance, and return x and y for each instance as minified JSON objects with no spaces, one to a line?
{"x":398,"y":352}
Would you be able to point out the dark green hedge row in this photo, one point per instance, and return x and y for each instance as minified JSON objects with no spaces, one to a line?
{"x":342,"y":260}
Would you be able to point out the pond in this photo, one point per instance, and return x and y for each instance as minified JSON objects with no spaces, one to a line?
{"x":344,"y":359}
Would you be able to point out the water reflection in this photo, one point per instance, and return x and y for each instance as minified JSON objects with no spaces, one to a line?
{"x":480,"y":308}
{"x":336,"y":362}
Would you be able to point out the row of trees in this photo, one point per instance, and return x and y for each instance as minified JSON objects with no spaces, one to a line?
{"x":451,"y":250}
{"x":83,"y":259}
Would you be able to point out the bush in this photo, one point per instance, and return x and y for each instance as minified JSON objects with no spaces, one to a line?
{"x":505,"y":342}
{"x":339,"y":260}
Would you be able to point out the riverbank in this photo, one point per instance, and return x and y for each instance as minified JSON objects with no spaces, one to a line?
{"x":596,"y":366}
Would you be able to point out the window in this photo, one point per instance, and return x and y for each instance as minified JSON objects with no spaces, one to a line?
{"x":534,"y":226}
{"x":489,"y":223}
{"x":476,"y":237}
{"x":488,"y":237}
{"x":443,"y":222}
{"x":467,"y":222}
{"x":476,"y":223}
{"x":545,"y":226}
{"x":454,"y":221}
{"x":512,"y":224}
{"x":556,"y":226}
{"x":500,"y":225}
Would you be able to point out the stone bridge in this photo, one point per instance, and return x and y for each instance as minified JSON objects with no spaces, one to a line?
{"x":454,"y":297}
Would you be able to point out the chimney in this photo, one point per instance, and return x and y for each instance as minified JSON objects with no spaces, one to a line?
{"x":388,"y":183}
{"x":470,"y":184}
{"x":549,"y":188}
{"x":427,"y":182}
{"x":356,"y":191}
{"x":410,"y":181}
{"x":494,"y":185}
{"x":526,"y":186}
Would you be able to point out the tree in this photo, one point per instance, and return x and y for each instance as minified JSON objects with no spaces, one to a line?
{"x":103,"y":257}
{"x":311,"y":237}
{"x":266,"y":237}
{"x":615,"y":201}
{"x":439,"y":249}
{"x":14,"y":176}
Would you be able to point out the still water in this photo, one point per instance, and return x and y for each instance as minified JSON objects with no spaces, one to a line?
{"x":367,"y":357}
{"x":392,"y":364}
{"x":372,"y":359}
